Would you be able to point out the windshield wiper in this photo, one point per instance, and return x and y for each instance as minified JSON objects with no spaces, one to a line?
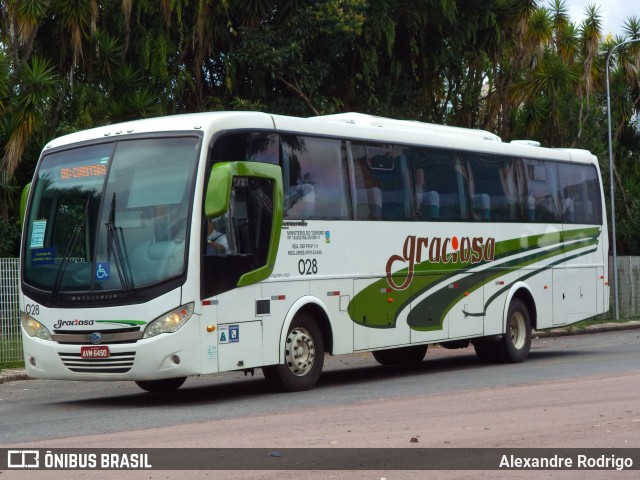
{"x":70,"y":248}
{"x":116,"y":246}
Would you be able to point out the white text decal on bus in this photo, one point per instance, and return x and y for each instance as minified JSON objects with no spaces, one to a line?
{"x":439,"y":250}
{"x":308,"y":242}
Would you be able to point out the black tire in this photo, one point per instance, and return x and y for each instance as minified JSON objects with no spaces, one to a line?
{"x":166,"y":385}
{"x":401,"y":356}
{"x":516,"y":342}
{"x":304,"y":357}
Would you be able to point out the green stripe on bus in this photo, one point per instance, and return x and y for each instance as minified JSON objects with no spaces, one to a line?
{"x":123,"y":322}
{"x":367,"y":308}
{"x":440,"y":303}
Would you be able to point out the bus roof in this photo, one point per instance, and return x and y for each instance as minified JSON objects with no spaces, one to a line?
{"x":411,"y":125}
{"x":346,"y":125}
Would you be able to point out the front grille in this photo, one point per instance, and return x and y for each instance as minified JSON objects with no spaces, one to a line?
{"x":116,"y":363}
{"x":109,"y":337}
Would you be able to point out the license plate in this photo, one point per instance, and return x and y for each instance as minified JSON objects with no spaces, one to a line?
{"x":97,"y":351}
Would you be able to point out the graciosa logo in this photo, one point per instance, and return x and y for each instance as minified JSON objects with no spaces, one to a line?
{"x":73,"y":323}
{"x":438,"y":250}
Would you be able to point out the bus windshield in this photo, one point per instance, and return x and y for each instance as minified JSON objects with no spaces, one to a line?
{"x":110,"y":217}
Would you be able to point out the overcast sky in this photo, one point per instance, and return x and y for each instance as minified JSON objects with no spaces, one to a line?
{"x":614,"y":13}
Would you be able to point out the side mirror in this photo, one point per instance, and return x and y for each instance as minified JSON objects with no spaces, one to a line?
{"x":216,"y":201}
{"x":220,"y":183}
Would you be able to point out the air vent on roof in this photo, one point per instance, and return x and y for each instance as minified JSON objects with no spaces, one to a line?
{"x":531,"y":143}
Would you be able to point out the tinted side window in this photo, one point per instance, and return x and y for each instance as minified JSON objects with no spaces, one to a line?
{"x":541,"y":196}
{"x":383,"y":182}
{"x":494,"y":188}
{"x":367,"y":194}
{"x":441,"y":184}
{"x":391,"y":166}
{"x":316,"y":180}
{"x":247,"y":146}
{"x":581,"y":194}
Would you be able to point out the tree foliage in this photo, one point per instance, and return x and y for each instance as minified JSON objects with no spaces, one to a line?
{"x":520,"y":68}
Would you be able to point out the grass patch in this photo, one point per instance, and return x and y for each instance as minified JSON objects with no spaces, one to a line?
{"x":4,"y":365}
{"x":10,"y":352}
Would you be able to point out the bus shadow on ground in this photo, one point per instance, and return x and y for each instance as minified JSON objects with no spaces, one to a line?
{"x":218,"y":389}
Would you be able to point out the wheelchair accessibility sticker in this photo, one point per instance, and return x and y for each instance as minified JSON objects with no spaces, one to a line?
{"x":103,"y":269}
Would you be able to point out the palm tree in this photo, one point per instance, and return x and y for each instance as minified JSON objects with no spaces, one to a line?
{"x":77,"y":18}
{"x":590,"y":40}
{"x":26,"y":113}
{"x":509,"y":56}
{"x":28,"y":109}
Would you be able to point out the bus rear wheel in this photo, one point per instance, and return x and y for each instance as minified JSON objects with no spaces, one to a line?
{"x":401,"y":356}
{"x":303,"y":356}
{"x":515,"y":344}
{"x":516,"y":341}
{"x":166,"y":385}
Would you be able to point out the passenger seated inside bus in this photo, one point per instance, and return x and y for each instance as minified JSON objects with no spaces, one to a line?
{"x":217,"y":243}
{"x":429,"y":205}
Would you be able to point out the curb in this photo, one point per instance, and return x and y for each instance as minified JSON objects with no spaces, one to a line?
{"x":16,"y":374}
{"x":12,"y":375}
{"x":599,"y":328}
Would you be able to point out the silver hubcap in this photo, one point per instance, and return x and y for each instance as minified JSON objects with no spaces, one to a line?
{"x":300,"y":352}
{"x":517,"y":328}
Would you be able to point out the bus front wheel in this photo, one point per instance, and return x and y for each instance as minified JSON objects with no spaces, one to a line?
{"x":166,"y":385}
{"x":303,"y":355}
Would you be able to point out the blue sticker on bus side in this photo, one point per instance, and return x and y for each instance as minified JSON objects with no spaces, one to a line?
{"x":103,"y":270}
{"x":42,"y":256}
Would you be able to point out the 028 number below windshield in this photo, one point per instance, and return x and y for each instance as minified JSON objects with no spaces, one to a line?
{"x":110,"y":217}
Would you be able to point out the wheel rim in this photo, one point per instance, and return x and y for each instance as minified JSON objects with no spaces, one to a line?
{"x":301,"y":351}
{"x":517,"y":329}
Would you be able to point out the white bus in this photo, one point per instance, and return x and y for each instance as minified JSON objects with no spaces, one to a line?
{"x":194,"y":244}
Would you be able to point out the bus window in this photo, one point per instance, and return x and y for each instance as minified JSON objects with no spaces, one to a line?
{"x":247,"y":233}
{"x":316,"y":180}
{"x":581,"y":194}
{"x":441,"y":185}
{"x":246,"y":146}
{"x":542,"y":198}
{"x":389,"y":165}
{"x":368,"y":195}
{"x":251,"y":217}
{"x":494,"y":188}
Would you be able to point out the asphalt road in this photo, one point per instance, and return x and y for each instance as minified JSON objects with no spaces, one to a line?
{"x":576,"y":391}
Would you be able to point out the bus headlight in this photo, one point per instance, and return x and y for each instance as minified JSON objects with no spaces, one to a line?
{"x":34,"y":328}
{"x":169,"y":322}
